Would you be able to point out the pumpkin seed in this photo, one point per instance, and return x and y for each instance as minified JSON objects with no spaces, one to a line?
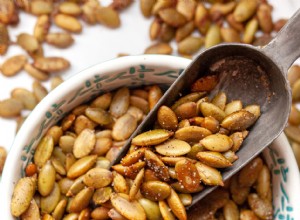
{"x":4,"y":40}
{"x":246,"y":214}
{"x":81,"y":200}
{"x":49,"y":202}
{"x":293,"y":74}
{"x":194,"y":150}
{"x":22,"y":195}
{"x":55,"y":132}
{"x":35,"y":73}
{"x":28,"y":42}
{"x":154,"y":95}
{"x":190,"y":45}
{"x":172,"y":17}
{"x":136,"y":185}
{"x":69,"y":8}
{"x":166,"y":118}
{"x":119,"y":183}
{"x":46,"y":179}
{"x":146,"y":7}
{"x":213,"y":159}
{"x":129,"y":209}
{"x":202,"y":18}
{"x":176,"y":205}
{"x":120,"y":102}
{"x":264,"y":17}
{"x":89,"y":11}
{"x":26,"y":97}
{"x":81,"y":166}
{"x":244,"y":10}
{"x":151,"y":209}
{"x":152,"y":137}
{"x":250,"y":30}
{"x":41,"y":27}
{"x":159,"y":48}
{"x":39,"y":90}
{"x":84,"y":143}
{"x":32,"y":212}
{"x":263,"y":187}
{"x":165,"y":211}
{"x":209,"y":175}
{"x":100,"y":213}
{"x":233,"y":106}
{"x":115,"y":215}
{"x":187,"y":175}
{"x":51,"y":64}
{"x":262,"y":208}
{"x":230,"y":211}
{"x":249,"y":174}
{"x":186,"y":199}
{"x":13,"y":65}
{"x":68,"y":23}
{"x":98,"y":178}
{"x":296,"y":91}
{"x":217,"y":142}
{"x":102,"y":195}
{"x":180,"y":188}
{"x":155,"y":190}
{"x":59,"y":210}
{"x":102,"y":146}
{"x":82,"y":122}
{"x":171,"y":161}
{"x":133,"y":157}
{"x":108,"y":17}
{"x":140,"y":103}
{"x":10,"y":108}
{"x":60,"y":40}
{"x":239,"y":193}
{"x":3,"y":155}
{"x":7,"y":10}
{"x":40,"y":7}
{"x":191,"y":133}
{"x":102,"y":101}
{"x":184,"y":31}
{"x":239,"y":120}
{"x":126,"y":121}
{"x":173,"y":147}
{"x":43,"y":150}
{"x":71,"y":216}
{"x":223,"y":8}
{"x":155,"y":164}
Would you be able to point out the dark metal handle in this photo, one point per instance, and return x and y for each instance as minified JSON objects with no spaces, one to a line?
{"x":284,"y":49}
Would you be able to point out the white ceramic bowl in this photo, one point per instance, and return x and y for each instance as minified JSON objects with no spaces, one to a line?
{"x":132,"y":71}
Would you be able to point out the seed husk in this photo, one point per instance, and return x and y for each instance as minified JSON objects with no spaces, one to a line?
{"x":126,"y":121}
{"x":81,"y":200}
{"x":26,"y":97}
{"x":81,"y":166}
{"x":129,"y":209}
{"x":22,"y":195}
{"x":159,"y":48}
{"x":28,"y":42}
{"x":41,"y":28}
{"x":35,"y":73}
{"x":190,"y":45}
{"x":172,"y":17}
{"x":98,"y":177}
{"x":49,"y":202}
{"x":191,"y":133}
{"x":244,"y":10}
{"x":217,"y":142}
{"x":238,"y":121}
{"x":173,"y":147}
{"x":4,"y":40}
{"x":10,"y":108}
{"x":155,"y":190}
{"x":69,"y":8}
{"x":51,"y":64}
{"x":60,"y":40}
{"x":108,"y":17}
{"x":213,"y":159}
{"x":13,"y":65}
{"x":68,"y":23}
{"x":152,"y":137}
{"x":120,"y":102}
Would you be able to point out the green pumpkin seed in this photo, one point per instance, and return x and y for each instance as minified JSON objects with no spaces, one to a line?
{"x":151,"y":209}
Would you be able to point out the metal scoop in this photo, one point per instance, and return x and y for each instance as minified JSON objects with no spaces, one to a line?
{"x":253,"y":75}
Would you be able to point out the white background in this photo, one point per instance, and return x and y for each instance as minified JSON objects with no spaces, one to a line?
{"x":95,"y":44}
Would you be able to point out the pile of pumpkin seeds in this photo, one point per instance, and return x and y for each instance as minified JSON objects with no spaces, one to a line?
{"x":292,"y":131}
{"x":70,"y":176}
{"x":247,"y":195}
{"x":197,"y":24}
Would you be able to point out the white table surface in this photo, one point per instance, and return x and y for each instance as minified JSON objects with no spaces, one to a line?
{"x":95,"y":44}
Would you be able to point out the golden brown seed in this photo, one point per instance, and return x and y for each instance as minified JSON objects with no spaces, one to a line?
{"x":7,"y":11}
{"x":81,"y":166}
{"x":64,"y":185}
{"x":49,"y":202}
{"x":293,"y":74}
{"x":237,"y":138}
{"x":115,"y":215}
{"x":264,"y":16}
{"x":28,"y":42}
{"x":55,"y":132}
{"x":213,"y":36}
{"x":13,"y":65}
{"x":81,"y":200}
{"x":294,"y":118}
{"x":244,"y":10}
{"x":119,"y":183}
{"x":233,"y":106}
{"x":69,"y":8}
{"x":217,"y":142}
{"x":213,"y":159}
{"x":98,"y":177}
{"x":84,"y":143}
{"x":152,"y":137}
{"x":250,"y":30}
{"x":32,"y":212}
{"x":159,"y":48}
{"x":136,"y":112}
{"x":166,"y":118}
{"x":190,"y":45}
{"x":186,"y":199}
{"x":66,"y":143}
{"x":211,"y":124}
{"x":51,"y":64}
{"x":230,"y":35}
{"x":120,"y":102}
{"x":187,"y":8}
{"x":246,"y":214}
{"x":46,"y":179}
{"x":40,"y":7}
{"x":146,"y":7}
{"x":296,"y":91}
{"x":239,"y":193}
{"x":22,"y":195}
{"x":220,"y":100}
{"x":184,"y":31}
{"x":191,"y":97}
{"x":26,"y":97}
{"x":71,"y":216}
{"x":249,"y":174}
{"x":187,"y":174}
{"x":56,"y":81}
{"x":209,"y":175}
{"x":60,"y":40}
{"x":155,"y":190}
{"x":68,"y":23}
{"x":176,"y":205}
{"x":76,"y":187}
{"x":41,"y":28}
{"x":82,"y":122}
{"x":154,"y":94}
{"x":59,"y":210}
{"x":222,"y":8}
{"x":238,"y":121}
{"x":43,"y":151}
{"x":89,"y":11}
{"x":173,"y":147}
{"x":172,"y":17}
{"x":209,"y":109}
{"x":186,"y":110}
{"x":100,"y":213}
{"x":102,"y":146}
{"x":151,"y":208}
{"x":191,"y":133}
{"x":126,"y":121}
{"x":133,"y":157}
{"x":39,"y":90}
{"x":4,"y":40}
{"x":202,"y":18}
{"x":129,"y":209}
{"x":261,"y":207}
{"x":194,"y":150}
{"x":35,"y":73}
{"x":136,"y":184}
{"x":10,"y":108}
{"x":108,"y":17}
{"x":165,"y":211}
{"x":263,"y":187}
{"x":231,"y":211}
{"x":102,"y":101}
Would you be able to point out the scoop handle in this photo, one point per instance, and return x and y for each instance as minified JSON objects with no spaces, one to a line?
{"x":284,"y":49}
